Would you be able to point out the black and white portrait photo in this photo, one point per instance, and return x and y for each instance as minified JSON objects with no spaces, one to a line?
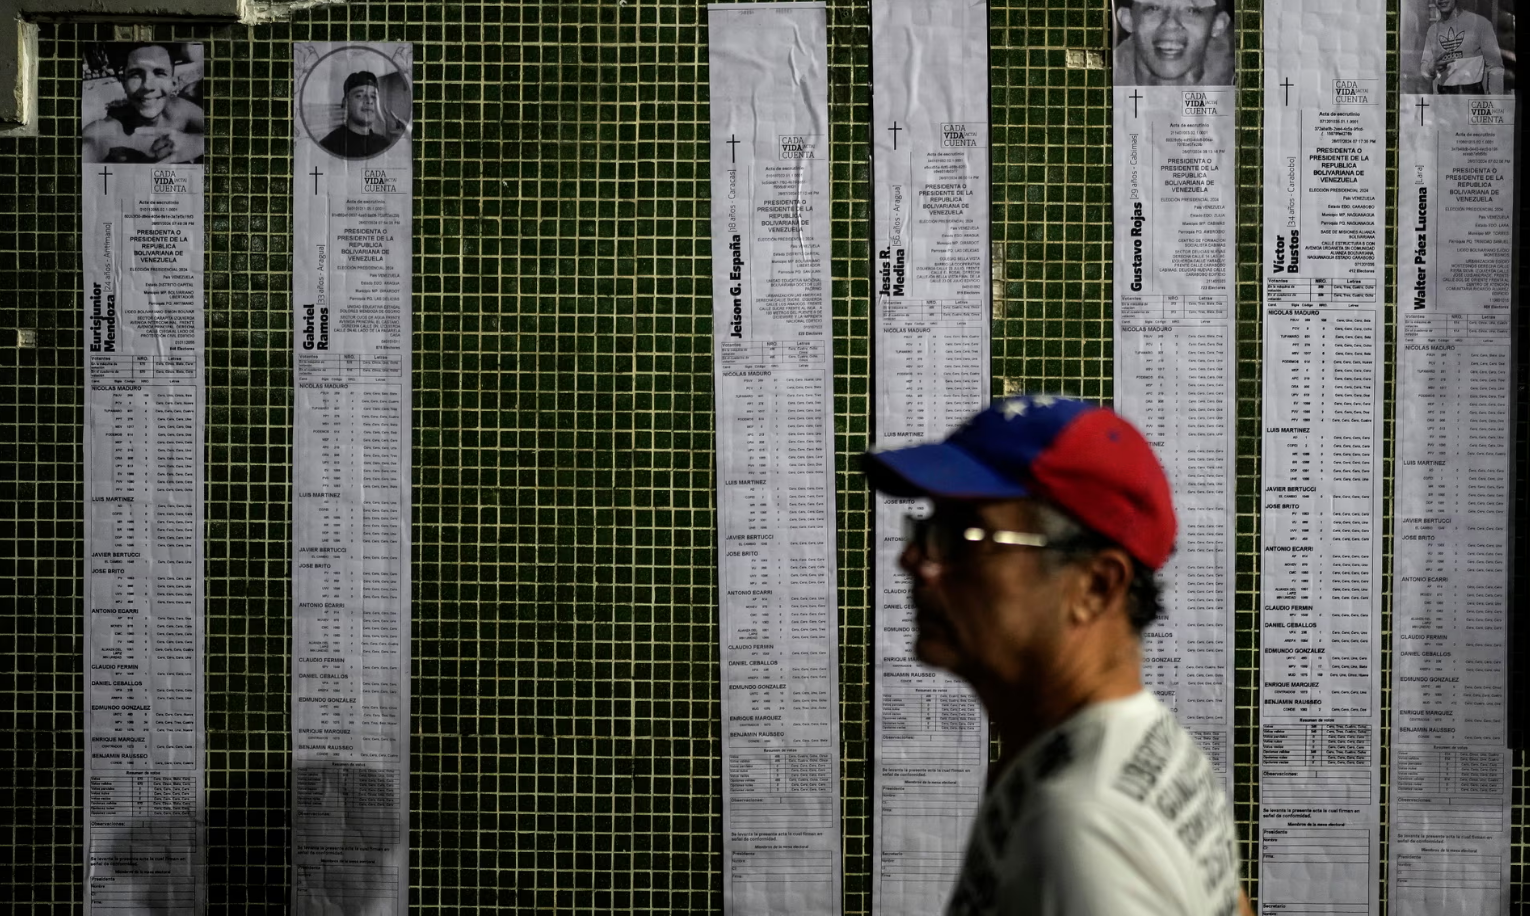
{"x":356,"y":102}
{"x":1457,"y":47}
{"x":143,"y":103}
{"x":1173,"y":43}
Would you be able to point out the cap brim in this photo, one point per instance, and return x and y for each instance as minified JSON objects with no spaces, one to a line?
{"x":937,"y":469}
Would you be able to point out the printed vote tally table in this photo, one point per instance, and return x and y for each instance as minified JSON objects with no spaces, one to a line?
{"x":1318,"y":290}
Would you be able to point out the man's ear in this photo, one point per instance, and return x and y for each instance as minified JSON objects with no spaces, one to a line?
{"x":1103,"y":582}
{"x":1219,"y":25}
{"x":1124,"y":16}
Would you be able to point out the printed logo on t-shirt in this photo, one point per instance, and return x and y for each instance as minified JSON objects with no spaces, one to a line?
{"x":1140,"y":772}
{"x":1057,"y":754}
{"x":1450,"y":43}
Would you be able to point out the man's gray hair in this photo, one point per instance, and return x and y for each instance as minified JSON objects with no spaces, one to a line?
{"x":1069,"y":541}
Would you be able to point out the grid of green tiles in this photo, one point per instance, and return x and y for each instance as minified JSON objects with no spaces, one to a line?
{"x":565,"y":734}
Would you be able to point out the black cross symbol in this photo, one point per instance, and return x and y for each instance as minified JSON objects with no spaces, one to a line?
{"x":732,"y":148}
{"x":1135,"y":97}
{"x":316,"y":173}
{"x":895,"y":128}
{"x":1421,"y":106}
{"x":1287,"y":86}
{"x":105,"y":175}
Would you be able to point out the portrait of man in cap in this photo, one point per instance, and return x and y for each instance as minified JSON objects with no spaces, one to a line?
{"x":1173,"y":43}
{"x":362,"y":134}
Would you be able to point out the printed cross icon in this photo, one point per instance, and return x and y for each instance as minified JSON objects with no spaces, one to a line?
{"x":732,"y":142}
{"x":895,"y":128}
{"x":1287,"y":86}
{"x":316,"y":173}
{"x":104,"y":175}
{"x":1135,"y":97}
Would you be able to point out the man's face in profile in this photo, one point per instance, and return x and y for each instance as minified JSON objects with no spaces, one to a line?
{"x":360,"y":105}
{"x":1171,"y":35}
{"x":148,"y":78}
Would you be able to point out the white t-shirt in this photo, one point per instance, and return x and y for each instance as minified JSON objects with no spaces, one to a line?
{"x":1116,"y":812}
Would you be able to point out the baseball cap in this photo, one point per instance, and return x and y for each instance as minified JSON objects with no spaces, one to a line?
{"x":1081,"y":457}
{"x":359,"y":78}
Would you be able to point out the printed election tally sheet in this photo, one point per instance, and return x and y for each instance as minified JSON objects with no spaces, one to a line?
{"x":145,"y":740}
{"x":1451,"y":768}
{"x":931,"y":250}
{"x":1175,"y":340}
{"x":773,"y":367}
{"x":1320,"y":603}
{"x":353,"y":204}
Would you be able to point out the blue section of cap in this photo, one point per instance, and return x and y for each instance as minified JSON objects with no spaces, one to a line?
{"x":990,"y":457}
{"x":1014,"y":432}
{"x":938,"y":469}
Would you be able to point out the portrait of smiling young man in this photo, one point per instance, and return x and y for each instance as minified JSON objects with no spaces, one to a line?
{"x":1032,"y":579}
{"x":1173,"y":43}
{"x":152,"y":122}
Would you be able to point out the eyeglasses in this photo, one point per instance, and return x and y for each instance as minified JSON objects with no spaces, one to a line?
{"x":942,"y":542}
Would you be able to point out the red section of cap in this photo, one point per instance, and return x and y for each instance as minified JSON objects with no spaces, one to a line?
{"x":1100,"y":470}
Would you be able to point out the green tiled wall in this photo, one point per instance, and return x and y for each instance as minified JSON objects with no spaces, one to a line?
{"x":566,"y":722}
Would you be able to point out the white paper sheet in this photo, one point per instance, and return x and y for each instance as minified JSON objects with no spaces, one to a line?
{"x":774,"y":364}
{"x":353,"y":203}
{"x":145,"y":739}
{"x":1450,"y":804}
{"x":1321,"y":489}
{"x":1175,"y":346}
{"x":929,"y":64}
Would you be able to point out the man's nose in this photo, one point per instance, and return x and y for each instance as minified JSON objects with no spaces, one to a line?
{"x":908,"y":560}
{"x":914,"y":562}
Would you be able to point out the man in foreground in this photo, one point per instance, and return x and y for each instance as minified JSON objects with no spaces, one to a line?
{"x":357,"y":137}
{"x":1032,"y":580}
{"x":1173,"y":43}
{"x":153,"y":123}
